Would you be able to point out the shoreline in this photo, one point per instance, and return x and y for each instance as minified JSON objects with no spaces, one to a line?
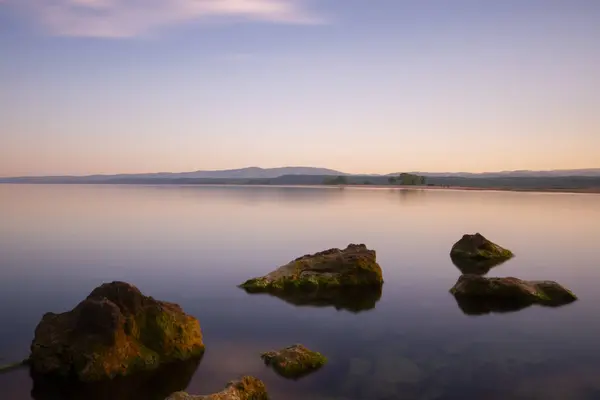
{"x":588,"y":190}
{"x":593,"y":190}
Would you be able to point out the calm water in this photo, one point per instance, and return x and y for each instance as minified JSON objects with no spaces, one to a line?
{"x":193,"y":245}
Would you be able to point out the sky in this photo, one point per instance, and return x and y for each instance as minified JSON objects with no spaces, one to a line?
{"x":126,"y":86}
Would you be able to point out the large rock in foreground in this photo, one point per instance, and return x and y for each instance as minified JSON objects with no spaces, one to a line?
{"x":294,"y":361}
{"x":477,"y":247}
{"x":248,"y":388}
{"x":355,"y":266}
{"x":477,"y":295}
{"x":115,"y":331}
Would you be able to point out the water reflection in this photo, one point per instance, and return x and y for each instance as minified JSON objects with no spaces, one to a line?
{"x":193,"y":245}
{"x":354,"y":300}
{"x":482,"y":306}
{"x":409,"y":195}
{"x":155,"y":385}
{"x":475,"y":267}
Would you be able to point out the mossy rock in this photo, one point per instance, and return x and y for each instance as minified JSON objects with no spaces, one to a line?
{"x":247,"y":388}
{"x":294,"y":361}
{"x":479,"y":295}
{"x":115,"y":331}
{"x":477,"y":248}
{"x":354,"y":266}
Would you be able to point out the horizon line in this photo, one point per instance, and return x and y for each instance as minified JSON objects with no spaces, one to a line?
{"x":296,"y":166}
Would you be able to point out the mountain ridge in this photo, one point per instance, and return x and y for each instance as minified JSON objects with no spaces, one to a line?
{"x":271,"y":173}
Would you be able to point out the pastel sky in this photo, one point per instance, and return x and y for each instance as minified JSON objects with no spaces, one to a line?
{"x":108,"y":86}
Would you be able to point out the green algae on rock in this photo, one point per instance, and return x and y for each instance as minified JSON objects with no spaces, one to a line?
{"x":478,"y":295}
{"x":247,"y":388}
{"x":355,"y":266}
{"x":477,"y":247}
{"x":115,"y":331}
{"x":294,"y":361}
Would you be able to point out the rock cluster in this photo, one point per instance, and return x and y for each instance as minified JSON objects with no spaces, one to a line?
{"x":475,"y":294}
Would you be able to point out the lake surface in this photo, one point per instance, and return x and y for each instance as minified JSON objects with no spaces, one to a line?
{"x":192,"y":245}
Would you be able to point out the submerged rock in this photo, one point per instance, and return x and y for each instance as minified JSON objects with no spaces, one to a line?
{"x":352,"y":299}
{"x":295,"y":361}
{"x":147,"y":385}
{"x":477,"y":247}
{"x":115,"y":331}
{"x":479,"y":295}
{"x":355,"y":266}
{"x":247,"y":388}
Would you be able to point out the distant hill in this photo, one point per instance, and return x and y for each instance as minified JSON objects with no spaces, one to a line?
{"x":261,"y":173}
{"x":241,"y":173}
{"x":311,"y":176}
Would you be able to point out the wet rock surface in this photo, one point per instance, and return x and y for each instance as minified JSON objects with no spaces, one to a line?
{"x":115,"y":331}
{"x":476,"y":248}
{"x":247,"y":388}
{"x":479,"y":295}
{"x":354,"y":266}
{"x":294,"y":361}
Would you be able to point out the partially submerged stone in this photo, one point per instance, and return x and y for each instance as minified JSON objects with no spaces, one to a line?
{"x":352,"y":299}
{"x":115,"y":331}
{"x":477,"y":294}
{"x":294,"y":361}
{"x":477,"y":247}
{"x":247,"y":388}
{"x":355,"y":266}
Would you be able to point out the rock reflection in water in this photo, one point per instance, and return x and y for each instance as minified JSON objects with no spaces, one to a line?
{"x":482,"y":306}
{"x":350,"y":299}
{"x":154,"y":385}
{"x":475,"y":266}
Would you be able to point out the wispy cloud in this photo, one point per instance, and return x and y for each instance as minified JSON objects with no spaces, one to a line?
{"x":127,"y":18}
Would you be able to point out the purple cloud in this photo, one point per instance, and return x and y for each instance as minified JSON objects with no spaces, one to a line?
{"x":128,"y":18}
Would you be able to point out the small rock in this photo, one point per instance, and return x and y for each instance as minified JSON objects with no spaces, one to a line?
{"x":295,"y":361}
{"x":477,"y":247}
{"x":247,"y":388}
